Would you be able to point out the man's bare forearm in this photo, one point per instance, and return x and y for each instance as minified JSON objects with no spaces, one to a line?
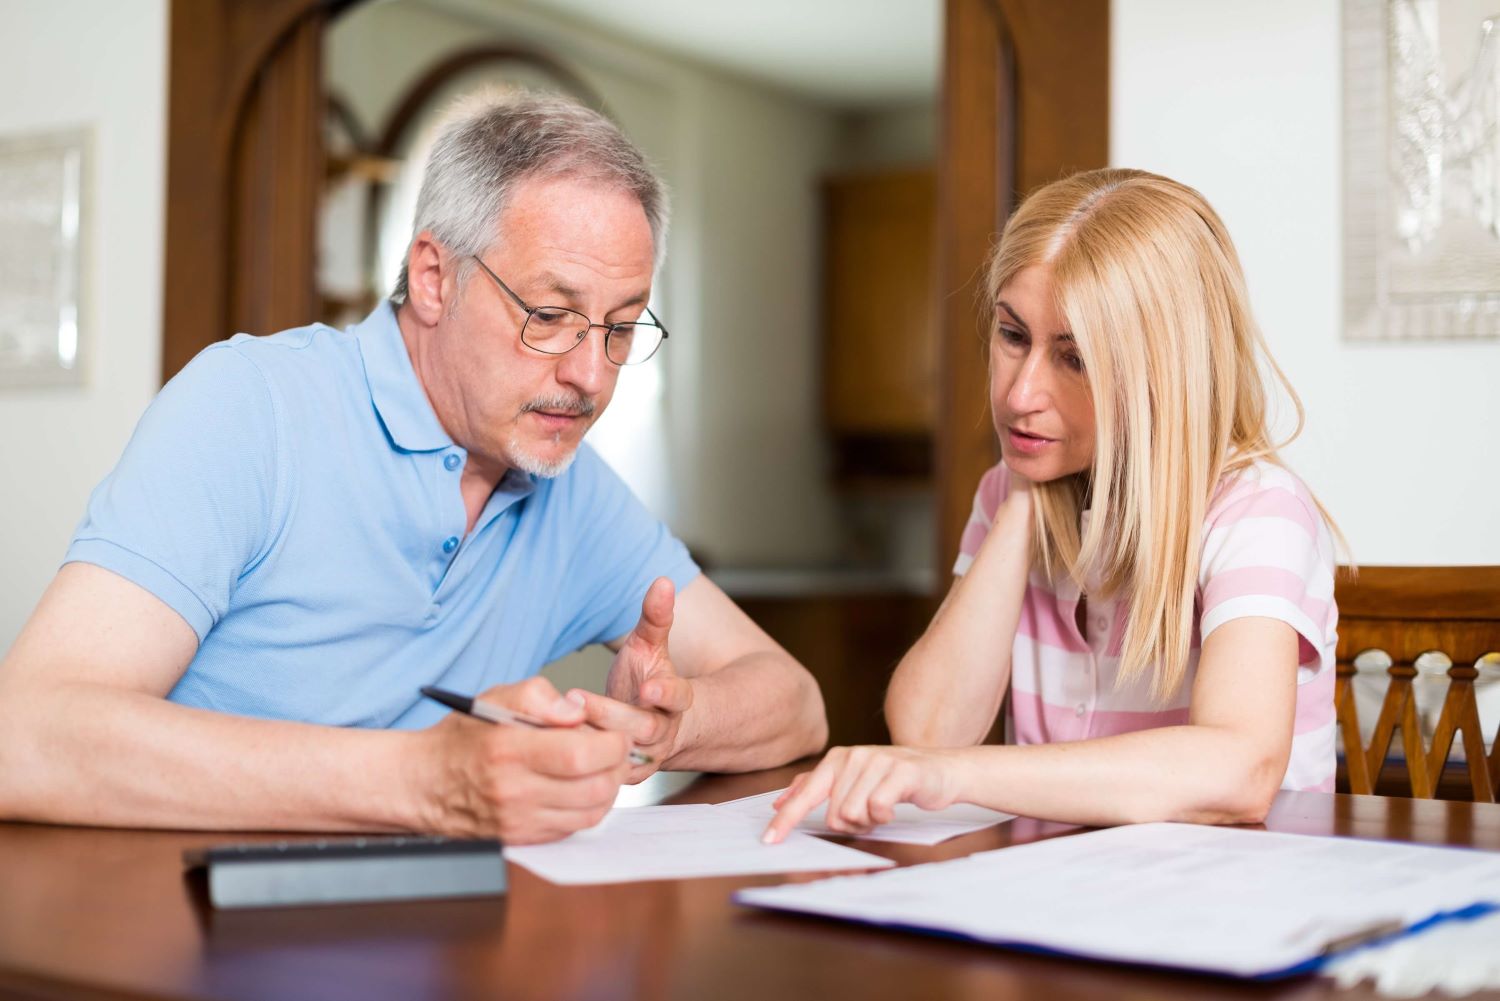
{"x":759,"y":711}
{"x":81,"y":753}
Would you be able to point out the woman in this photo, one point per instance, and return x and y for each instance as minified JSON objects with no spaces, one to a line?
{"x":1141,"y":572}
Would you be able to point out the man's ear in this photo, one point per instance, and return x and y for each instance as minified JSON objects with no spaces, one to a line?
{"x":426,"y":267}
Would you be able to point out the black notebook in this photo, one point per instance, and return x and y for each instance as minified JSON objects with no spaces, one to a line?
{"x":349,"y":870}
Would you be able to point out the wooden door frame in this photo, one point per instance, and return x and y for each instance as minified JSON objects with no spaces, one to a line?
{"x":244,"y":168}
{"x":1025,"y":101}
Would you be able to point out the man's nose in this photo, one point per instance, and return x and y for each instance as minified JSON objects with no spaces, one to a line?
{"x":586,"y":367}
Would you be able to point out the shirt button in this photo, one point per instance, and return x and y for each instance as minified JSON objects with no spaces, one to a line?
{"x":451,"y":462}
{"x":450,"y":543}
{"x":1080,"y":710}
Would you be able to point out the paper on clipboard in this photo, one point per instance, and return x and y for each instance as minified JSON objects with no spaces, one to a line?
{"x":1222,"y":900}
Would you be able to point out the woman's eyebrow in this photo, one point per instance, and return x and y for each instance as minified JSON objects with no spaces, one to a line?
{"x":1013,"y":314}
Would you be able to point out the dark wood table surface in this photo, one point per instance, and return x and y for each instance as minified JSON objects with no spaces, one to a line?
{"x":91,"y":913}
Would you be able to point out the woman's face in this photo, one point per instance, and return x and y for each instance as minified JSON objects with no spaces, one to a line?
{"x":1039,"y":393}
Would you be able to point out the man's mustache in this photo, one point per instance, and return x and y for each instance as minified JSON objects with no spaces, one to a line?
{"x":581,"y":406}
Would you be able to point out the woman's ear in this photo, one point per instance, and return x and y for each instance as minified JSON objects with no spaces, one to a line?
{"x":426,"y":267}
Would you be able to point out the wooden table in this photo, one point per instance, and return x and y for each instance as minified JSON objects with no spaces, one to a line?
{"x":88,"y":913}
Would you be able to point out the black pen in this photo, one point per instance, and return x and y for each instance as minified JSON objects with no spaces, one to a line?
{"x":492,"y":713}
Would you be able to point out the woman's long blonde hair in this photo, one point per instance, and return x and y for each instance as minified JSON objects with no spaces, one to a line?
{"x":1150,"y":285}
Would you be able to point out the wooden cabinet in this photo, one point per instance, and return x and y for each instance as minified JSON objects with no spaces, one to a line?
{"x":851,"y":643}
{"x":880,"y":347}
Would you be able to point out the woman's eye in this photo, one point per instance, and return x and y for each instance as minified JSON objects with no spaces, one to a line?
{"x":1073,"y":360}
{"x":1011,"y":336}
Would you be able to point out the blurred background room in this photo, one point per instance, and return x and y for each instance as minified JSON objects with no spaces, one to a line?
{"x":815,"y":426}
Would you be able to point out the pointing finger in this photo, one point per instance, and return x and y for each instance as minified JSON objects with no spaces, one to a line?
{"x":801,"y":803}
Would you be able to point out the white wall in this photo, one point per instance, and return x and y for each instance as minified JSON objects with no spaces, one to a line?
{"x":1242,"y":101}
{"x":100,"y":65}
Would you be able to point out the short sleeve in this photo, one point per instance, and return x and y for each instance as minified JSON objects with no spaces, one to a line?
{"x":1267,"y":552}
{"x":994,"y":487}
{"x":192,"y":502}
{"x":621,"y":549}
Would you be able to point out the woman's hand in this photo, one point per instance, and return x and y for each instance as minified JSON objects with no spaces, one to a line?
{"x":1018,"y":499}
{"x":862,"y":786}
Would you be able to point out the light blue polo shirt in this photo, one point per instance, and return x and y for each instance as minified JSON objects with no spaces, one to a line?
{"x":295,"y":499}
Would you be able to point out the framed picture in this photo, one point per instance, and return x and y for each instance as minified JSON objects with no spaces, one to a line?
{"x":1421,"y":169}
{"x":43,"y":216}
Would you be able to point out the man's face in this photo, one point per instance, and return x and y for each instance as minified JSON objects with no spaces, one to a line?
{"x":562,"y":242}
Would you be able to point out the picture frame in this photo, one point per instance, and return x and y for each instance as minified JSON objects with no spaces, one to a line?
{"x":1421,"y":166}
{"x":44,"y":226}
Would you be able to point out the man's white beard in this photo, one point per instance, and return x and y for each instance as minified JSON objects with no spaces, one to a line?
{"x":536,"y":465}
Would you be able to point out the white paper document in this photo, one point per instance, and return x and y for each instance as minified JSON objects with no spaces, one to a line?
{"x":1224,"y":900}
{"x":681,"y":842}
{"x":911,"y":825}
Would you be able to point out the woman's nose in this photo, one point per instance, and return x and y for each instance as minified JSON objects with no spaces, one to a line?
{"x":1030,"y":391}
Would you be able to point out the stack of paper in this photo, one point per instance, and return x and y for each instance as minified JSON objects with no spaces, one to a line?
{"x":1223,"y":900}
{"x":1455,"y":957}
{"x":683,"y":842}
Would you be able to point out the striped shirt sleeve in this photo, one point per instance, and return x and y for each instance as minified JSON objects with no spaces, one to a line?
{"x":994,"y":487}
{"x":1267,"y":552}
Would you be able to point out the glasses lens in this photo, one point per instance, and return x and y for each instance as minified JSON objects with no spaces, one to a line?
{"x":633,"y":343}
{"x":554,"y":330}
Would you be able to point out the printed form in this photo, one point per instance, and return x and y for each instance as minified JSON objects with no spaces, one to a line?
{"x":681,"y":842}
{"x":1223,"y":900}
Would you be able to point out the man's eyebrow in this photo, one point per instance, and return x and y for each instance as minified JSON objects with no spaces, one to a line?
{"x":549,"y":282}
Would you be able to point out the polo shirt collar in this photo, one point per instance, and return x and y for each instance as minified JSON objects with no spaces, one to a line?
{"x":395,"y":389}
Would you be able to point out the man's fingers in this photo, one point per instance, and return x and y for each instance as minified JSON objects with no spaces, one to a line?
{"x":574,"y":753}
{"x":538,"y":699}
{"x":656,"y":614}
{"x":642,"y":725}
{"x":547,"y":824}
{"x":667,"y":692}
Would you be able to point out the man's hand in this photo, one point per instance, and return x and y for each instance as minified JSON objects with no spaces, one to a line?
{"x":644,"y":696}
{"x":523,"y":785}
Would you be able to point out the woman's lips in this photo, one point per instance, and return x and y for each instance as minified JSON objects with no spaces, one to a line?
{"x":1028,"y":444}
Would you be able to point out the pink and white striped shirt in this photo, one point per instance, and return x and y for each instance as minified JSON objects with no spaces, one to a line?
{"x":1266,"y":552}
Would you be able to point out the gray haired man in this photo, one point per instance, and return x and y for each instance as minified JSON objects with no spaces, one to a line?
{"x":308,"y":527}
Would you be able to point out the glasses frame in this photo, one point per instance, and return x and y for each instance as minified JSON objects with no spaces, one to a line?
{"x":609,"y":328}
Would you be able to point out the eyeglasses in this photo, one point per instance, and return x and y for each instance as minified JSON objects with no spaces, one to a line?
{"x":554,"y":330}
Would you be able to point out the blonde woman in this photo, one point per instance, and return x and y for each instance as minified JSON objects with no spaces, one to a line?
{"x":1141,"y":572}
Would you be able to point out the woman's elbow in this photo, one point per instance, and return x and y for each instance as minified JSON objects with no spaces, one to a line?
{"x":1246,"y":795}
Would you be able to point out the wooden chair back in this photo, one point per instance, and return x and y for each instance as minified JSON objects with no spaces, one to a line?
{"x":1430,"y":617}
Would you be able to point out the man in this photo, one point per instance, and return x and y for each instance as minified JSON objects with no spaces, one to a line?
{"x":307,"y":527}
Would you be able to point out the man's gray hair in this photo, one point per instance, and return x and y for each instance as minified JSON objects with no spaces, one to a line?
{"x":495,"y":139}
